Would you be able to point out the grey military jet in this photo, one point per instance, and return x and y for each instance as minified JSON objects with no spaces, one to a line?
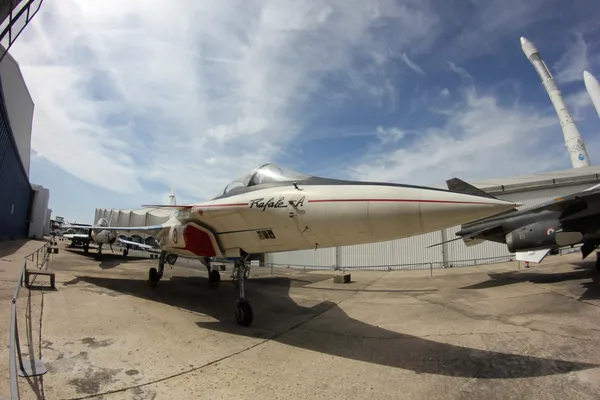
{"x":533,"y":232}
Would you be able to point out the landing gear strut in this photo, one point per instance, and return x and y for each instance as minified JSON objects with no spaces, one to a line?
{"x":99,"y":254}
{"x":243,"y":311}
{"x":154,"y":275}
{"x":214,"y":276}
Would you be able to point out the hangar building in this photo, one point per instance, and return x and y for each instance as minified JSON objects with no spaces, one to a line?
{"x":413,"y":252}
{"x":23,"y":207}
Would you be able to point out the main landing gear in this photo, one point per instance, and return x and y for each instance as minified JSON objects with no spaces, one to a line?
{"x":214,"y":276}
{"x":243,"y":311}
{"x":241,"y":272}
{"x":154,"y":275}
{"x":99,"y":254}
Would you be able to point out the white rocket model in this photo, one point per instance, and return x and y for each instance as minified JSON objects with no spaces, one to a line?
{"x":593,"y":89}
{"x":573,"y":139}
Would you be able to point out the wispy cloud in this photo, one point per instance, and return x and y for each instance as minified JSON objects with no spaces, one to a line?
{"x":389,"y":135}
{"x":479,"y":139}
{"x":574,"y":61}
{"x":461,"y":72}
{"x":579,"y":103}
{"x":135,"y":94}
{"x":474,"y":29}
{"x":412,"y":65}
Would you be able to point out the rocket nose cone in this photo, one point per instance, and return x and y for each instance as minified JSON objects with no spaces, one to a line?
{"x":523,"y":40}
{"x":587,"y":77}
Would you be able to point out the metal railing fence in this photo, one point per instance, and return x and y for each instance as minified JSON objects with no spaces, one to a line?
{"x":413,"y":266}
{"x":26,"y":366}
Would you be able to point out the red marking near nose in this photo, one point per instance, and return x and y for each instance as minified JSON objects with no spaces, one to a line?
{"x":198,"y":242}
{"x":395,"y":201}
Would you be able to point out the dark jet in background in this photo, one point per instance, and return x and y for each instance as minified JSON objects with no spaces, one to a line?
{"x":531,"y":233}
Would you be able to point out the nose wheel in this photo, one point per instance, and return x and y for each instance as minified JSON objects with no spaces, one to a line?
{"x":243,"y":310}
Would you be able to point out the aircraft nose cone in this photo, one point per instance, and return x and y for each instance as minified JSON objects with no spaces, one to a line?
{"x":455,"y":209}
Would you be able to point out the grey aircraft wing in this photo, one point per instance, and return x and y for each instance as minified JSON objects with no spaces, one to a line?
{"x":571,"y":204}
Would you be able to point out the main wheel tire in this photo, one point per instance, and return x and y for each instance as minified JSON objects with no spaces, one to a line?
{"x":153,"y":277}
{"x":214,"y":278}
{"x":598,"y":264}
{"x":243,"y":313}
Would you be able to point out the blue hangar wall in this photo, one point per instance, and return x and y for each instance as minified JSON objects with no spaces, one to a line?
{"x":16,"y":193}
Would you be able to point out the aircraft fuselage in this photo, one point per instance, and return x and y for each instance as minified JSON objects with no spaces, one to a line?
{"x":309,"y":217}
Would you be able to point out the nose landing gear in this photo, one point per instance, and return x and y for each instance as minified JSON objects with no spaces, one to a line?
{"x":243,"y":310}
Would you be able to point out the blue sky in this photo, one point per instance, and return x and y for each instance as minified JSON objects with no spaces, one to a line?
{"x":134,"y":97}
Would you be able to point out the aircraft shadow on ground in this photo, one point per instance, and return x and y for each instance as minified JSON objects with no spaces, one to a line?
{"x":279,"y":318}
{"x":109,"y":259}
{"x":583,"y":271}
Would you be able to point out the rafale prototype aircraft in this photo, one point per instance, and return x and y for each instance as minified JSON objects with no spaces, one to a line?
{"x":533,"y":232}
{"x":274,"y":209}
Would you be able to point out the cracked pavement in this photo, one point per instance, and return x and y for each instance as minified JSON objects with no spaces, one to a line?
{"x":493,"y":332}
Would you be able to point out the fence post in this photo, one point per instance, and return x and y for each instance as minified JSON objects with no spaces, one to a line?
{"x":431,"y":270}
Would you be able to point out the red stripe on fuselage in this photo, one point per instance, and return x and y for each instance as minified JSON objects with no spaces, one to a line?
{"x":223,"y":205}
{"x":396,"y":201}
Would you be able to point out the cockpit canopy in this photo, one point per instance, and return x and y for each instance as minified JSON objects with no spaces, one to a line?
{"x":266,"y":173}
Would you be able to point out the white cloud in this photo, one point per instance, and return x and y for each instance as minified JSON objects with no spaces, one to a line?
{"x":389,"y":135}
{"x":480,"y":139}
{"x":578,"y":103}
{"x":192,"y":93}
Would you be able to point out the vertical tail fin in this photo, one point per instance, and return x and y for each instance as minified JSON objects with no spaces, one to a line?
{"x":172,"y":200}
{"x":459,"y":186}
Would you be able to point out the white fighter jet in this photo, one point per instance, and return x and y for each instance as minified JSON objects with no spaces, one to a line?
{"x":274,"y":209}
